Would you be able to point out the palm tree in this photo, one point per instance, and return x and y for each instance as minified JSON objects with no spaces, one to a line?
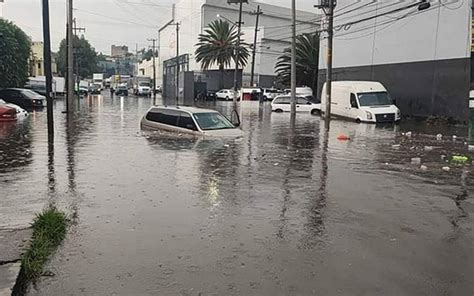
{"x":307,"y":62}
{"x":217,"y":46}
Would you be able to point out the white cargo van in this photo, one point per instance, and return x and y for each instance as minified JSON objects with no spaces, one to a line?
{"x":362,"y":101}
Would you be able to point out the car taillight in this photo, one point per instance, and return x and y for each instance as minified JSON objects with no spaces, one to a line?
{"x":9,"y":114}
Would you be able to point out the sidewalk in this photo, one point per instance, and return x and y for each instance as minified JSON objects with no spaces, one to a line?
{"x":11,"y":247}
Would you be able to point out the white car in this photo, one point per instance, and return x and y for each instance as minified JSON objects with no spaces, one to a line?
{"x":225,"y":94}
{"x":189,"y":120}
{"x":269,"y":94}
{"x":20,"y":112}
{"x":283,"y":104}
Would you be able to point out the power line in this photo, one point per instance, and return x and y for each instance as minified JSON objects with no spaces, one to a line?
{"x":114,"y":18}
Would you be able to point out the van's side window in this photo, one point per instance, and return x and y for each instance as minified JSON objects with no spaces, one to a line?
{"x":169,"y":117}
{"x":185,"y":121}
{"x":153,"y":115}
{"x":354,"y":101}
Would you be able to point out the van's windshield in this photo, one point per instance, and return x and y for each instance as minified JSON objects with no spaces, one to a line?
{"x":374,"y":99}
{"x":212,"y":121}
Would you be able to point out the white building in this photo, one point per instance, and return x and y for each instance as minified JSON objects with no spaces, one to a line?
{"x":273,"y":37}
{"x":145,"y":68}
{"x":422,"y":57}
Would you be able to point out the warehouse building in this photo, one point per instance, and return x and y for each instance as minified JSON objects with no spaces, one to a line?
{"x":273,"y":37}
{"x":423,"y":57}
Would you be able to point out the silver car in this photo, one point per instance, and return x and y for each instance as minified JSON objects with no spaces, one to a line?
{"x":189,"y":120}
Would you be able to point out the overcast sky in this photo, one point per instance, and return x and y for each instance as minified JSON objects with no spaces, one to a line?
{"x":107,"y":22}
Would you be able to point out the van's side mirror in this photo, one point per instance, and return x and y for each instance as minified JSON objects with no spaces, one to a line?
{"x":235,"y":119}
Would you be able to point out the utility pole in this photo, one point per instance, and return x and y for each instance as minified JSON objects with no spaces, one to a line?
{"x":328,"y":7}
{"x":76,"y":50}
{"x":257,"y":13}
{"x":47,"y":71}
{"x":330,"y":16}
{"x":177,"y":63}
{"x":154,"y":69}
{"x":237,"y":53}
{"x":70,"y":60}
{"x":293,"y":60}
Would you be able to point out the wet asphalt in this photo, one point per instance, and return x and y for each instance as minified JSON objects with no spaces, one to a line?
{"x":286,"y":210}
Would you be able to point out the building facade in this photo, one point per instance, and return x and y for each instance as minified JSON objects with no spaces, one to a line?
{"x":273,"y":36}
{"x":37,"y":60}
{"x":119,"y":51}
{"x":421,"y":56}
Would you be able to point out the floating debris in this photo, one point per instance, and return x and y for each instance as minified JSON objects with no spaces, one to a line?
{"x":416,"y":160}
{"x":446,"y":168}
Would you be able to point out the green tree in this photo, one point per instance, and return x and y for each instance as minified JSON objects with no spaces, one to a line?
{"x":15,"y":51}
{"x":307,"y":62}
{"x":148,"y":55}
{"x":85,"y":57}
{"x":217,"y":46}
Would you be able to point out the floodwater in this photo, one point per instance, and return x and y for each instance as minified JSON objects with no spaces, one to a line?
{"x":285,"y":210}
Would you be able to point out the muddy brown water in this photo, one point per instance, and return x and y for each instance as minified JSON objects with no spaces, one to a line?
{"x":286,"y":210}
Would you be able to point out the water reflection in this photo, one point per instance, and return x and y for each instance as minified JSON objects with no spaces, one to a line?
{"x":15,"y":145}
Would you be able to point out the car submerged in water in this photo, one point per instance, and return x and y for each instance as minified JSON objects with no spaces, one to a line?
{"x":189,"y":120}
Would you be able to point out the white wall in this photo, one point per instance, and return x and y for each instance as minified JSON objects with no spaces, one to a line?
{"x":435,"y":34}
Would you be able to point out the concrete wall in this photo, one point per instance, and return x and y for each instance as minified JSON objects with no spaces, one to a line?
{"x":423,"y":57}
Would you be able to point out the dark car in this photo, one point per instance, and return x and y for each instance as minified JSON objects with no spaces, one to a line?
{"x":211,"y":95}
{"x":25,"y":98}
{"x":37,"y":88}
{"x":94,"y":89}
{"x":121,"y":90}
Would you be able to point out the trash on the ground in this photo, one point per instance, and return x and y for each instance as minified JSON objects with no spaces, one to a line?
{"x":416,"y":160}
{"x":446,"y":168}
{"x":396,"y":146}
{"x":429,"y":148}
{"x":226,"y":145}
{"x":455,"y":137}
{"x":470,"y":147}
{"x":408,"y":134}
{"x":276,"y":163}
{"x":439,"y":137}
{"x":423,"y":167}
{"x":443,"y":157}
{"x":343,"y":137}
{"x":460,"y":158}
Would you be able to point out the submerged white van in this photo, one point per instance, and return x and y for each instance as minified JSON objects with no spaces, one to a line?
{"x":362,"y":101}
{"x":189,"y":120}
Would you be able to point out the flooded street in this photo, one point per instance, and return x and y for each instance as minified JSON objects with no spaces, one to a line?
{"x":282,"y":211}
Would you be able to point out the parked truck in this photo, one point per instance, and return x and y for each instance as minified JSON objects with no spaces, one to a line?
{"x":38,"y":84}
{"x":98,"y":80}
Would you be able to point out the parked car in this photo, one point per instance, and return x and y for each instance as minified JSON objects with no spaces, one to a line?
{"x":270,"y":93}
{"x":362,"y":101}
{"x":121,"y":90}
{"x":24,"y":98}
{"x":283,"y":104}
{"x":301,"y":91}
{"x":225,"y":94}
{"x":20,"y":112}
{"x":189,"y":120}
{"x":37,"y":88}
{"x":7,"y":114}
{"x":211,"y":95}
